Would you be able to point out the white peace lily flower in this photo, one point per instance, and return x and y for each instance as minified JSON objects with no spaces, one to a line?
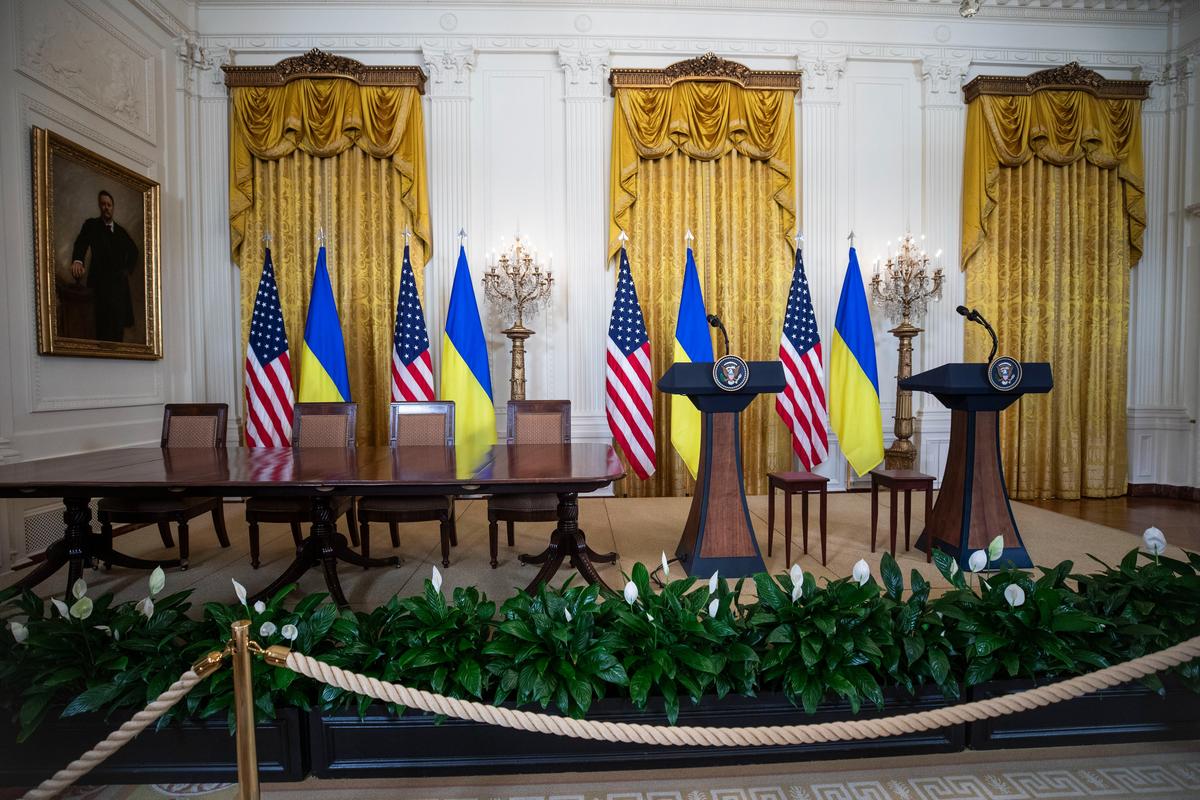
{"x":796,"y":574}
{"x":260,"y":607}
{"x":712,"y":607}
{"x":268,"y":629}
{"x":289,"y":632}
{"x":62,"y":607}
{"x":1156,"y":543}
{"x":797,"y":591}
{"x":712,"y":583}
{"x":436,"y":580}
{"x":146,"y":607}
{"x":158,"y":579}
{"x":106,"y":629}
{"x":82,"y":608}
{"x":240,"y":591}
{"x":18,"y":631}
{"x":666,"y":568}
{"x":567,"y":614}
{"x":79,"y":588}
{"x":861,"y":572}
{"x":631,"y":593}
{"x":649,"y":617}
{"x":978,"y":561}
{"x":1014,"y":594}
{"x":995,"y":548}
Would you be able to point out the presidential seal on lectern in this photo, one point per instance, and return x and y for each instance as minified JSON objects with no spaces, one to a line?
{"x":731,"y":373}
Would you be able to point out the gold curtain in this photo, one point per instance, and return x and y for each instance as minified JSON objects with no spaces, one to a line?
{"x":1047,"y":244}
{"x":330,"y":154}
{"x":719,"y":160}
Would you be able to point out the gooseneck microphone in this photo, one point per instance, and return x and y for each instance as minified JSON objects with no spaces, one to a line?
{"x":974,"y":316}
{"x":715,"y":321}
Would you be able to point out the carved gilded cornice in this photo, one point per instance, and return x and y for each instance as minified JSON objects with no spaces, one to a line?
{"x":708,"y":67}
{"x":1069,"y":77}
{"x":320,"y":64}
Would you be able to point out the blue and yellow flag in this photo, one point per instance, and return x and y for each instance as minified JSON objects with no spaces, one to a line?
{"x":324,"y":377}
{"x":853,"y":378}
{"x":692,"y":344}
{"x":466,"y":375}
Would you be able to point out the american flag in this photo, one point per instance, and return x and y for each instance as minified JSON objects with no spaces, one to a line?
{"x":269,"y":399}
{"x":802,"y":402}
{"x":412,"y":370}
{"x":627,"y":379}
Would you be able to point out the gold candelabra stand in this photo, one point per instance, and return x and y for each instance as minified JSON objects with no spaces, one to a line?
{"x":516,"y":284}
{"x":902,"y":287}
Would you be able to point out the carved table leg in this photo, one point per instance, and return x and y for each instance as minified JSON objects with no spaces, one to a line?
{"x":567,"y":542}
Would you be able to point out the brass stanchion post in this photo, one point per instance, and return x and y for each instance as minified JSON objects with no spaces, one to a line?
{"x":243,"y":706}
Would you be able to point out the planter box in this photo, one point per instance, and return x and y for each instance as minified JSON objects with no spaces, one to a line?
{"x":190,"y":752}
{"x":383,"y":745}
{"x":1129,"y":713}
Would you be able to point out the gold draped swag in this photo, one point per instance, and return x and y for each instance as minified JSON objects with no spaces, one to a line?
{"x":714,"y":154}
{"x":1053,"y":219}
{"x":321,"y":141}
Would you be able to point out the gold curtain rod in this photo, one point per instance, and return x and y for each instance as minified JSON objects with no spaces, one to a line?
{"x":320,"y":64}
{"x":708,"y":67}
{"x":1069,"y":77}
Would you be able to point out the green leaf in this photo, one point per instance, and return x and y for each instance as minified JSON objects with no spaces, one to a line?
{"x":893,"y":579}
{"x":939,"y":665}
{"x":914,"y":648}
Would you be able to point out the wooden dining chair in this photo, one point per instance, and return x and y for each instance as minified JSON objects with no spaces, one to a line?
{"x":313,"y":425}
{"x":185,"y":425}
{"x":529,"y":422}
{"x":417,"y":424}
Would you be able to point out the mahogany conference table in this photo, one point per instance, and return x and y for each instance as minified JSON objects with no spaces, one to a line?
{"x":318,"y":473}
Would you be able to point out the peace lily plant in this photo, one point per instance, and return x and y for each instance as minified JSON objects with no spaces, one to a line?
{"x":856,"y":638}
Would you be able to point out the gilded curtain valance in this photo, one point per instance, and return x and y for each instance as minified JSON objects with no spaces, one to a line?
{"x":704,"y":120}
{"x":1059,"y":127}
{"x":324,"y":117}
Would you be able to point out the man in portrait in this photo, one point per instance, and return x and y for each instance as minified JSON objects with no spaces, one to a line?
{"x":114,"y":256}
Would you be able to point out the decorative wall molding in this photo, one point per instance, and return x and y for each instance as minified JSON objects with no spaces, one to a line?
{"x":202,"y":68}
{"x":585,"y":72}
{"x":449,"y":70}
{"x":157,"y":12}
{"x":942,"y":79}
{"x":822,"y":78}
{"x":69,"y":47}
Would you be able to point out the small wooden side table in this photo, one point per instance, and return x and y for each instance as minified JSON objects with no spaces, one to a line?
{"x":903,"y":480}
{"x":791,"y":483}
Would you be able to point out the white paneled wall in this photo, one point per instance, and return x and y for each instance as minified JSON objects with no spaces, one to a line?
{"x":518,"y":124}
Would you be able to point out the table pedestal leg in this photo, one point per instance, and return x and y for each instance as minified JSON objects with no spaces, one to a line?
{"x":81,"y":548}
{"x":568,"y":542}
{"x":324,"y":547}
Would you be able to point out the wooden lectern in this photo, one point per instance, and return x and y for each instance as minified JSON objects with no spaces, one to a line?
{"x":718,"y":535}
{"x":972,"y":505}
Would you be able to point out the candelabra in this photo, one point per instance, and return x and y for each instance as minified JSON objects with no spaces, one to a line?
{"x":516,"y":284}
{"x":902,"y":287}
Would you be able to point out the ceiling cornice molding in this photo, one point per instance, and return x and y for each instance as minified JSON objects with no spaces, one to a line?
{"x":708,"y":67}
{"x":163,"y":18}
{"x":1147,"y":12}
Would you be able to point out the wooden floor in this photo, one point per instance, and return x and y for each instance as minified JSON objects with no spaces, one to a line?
{"x":1179,"y":520}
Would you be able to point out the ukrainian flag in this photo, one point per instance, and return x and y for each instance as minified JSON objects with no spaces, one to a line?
{"x":692,"y":344}
{"x":466,"y":375}
{"x":324,"y":376}
{"x":853,"y":380}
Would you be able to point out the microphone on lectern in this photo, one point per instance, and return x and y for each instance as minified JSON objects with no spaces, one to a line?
{"x":974,"y":316}
{"x":715,"y":321}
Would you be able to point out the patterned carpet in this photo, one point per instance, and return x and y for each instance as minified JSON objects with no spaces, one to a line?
{"x":1162,"y":770}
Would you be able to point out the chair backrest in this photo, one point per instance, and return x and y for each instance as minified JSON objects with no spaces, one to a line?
{"x":539,"y":421}
{"x":421,"y":423}
{"x":194,"y":424}
{"x":324,"y":424}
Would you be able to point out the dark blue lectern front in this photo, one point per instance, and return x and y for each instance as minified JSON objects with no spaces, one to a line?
{"x":972,"y":505}
{"x":718,"y":534}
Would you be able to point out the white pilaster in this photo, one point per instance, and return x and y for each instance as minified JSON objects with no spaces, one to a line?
{"x":821,"y":150}
{"x":214,"y":282}
{"x":448,"y":139}
{"x":944,"y":121}
{"x":589,"y":291}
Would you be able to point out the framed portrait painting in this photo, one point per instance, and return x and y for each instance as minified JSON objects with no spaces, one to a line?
{"x":96,"y":254}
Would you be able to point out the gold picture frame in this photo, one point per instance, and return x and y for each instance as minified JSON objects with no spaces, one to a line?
{"x":96,"y":268}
